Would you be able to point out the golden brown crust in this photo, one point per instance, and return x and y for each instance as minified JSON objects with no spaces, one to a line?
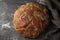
{"x":31,"y":19}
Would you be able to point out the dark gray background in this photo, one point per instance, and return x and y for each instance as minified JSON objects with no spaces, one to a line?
{"x":7,"y":9}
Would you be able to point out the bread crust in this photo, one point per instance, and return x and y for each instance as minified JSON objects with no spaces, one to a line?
{"x":31,"y":19}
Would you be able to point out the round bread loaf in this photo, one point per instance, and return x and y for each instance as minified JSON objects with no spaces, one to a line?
{"x":31,"y":19}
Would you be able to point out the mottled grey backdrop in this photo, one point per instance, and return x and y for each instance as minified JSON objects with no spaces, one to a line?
{"x":7,"y":31}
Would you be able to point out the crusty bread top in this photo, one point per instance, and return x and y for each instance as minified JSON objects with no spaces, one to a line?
{"x":31,"y":17}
